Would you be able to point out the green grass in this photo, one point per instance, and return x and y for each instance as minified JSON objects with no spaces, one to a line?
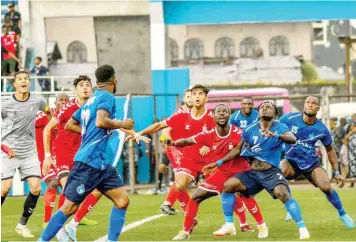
{"x":319,"y":216}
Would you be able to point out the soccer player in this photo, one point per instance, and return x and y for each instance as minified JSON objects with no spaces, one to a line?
{"x":173,"y":156}
{"x":91,"y":170}
{"x":301,"y":158}
{"x":65,"y":146}
{"x":263,"y":148}
{"x":223,"y":138}
{"x":185,"y":124}
{"x":246,"y":115}
{"x":42,"y":119}
{"x":18,"y":113}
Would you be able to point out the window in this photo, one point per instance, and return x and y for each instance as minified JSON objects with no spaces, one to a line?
{"x":76,"y":52}
{"x":248,"y":47}
{"x":173,"y":48}
{"x":279,"y":45}
{"x":320,"y":35}
{"x":193,"y":49}
{"x":224,"y":47}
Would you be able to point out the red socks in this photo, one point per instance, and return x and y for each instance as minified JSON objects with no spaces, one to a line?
{"x":253,"y":208}
{"x":49,"y":200}
{"x":240,"y":211}
{"x":190,"y":213}
{"x":87,"y":205}
{"x":183,"y":198}
{"x":61,"y":200}
{"x":172,"y":195}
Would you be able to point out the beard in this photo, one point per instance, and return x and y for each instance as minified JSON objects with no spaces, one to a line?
{"x":189,"y":106}
{"x":310,"y":115}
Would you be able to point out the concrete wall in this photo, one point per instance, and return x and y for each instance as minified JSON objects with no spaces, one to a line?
{"x":124,"y":42}
{"x":65,"y":30}
{"x":298,"y":34}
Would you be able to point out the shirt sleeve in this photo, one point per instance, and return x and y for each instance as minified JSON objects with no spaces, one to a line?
{"x":283,"y":128}
{"x":232,"y":119}
{"x":174,"y":120}
{"x":77,"y":115}
{"x":106,"y":103}
{"x":326,"y":140}
{"x":19,"y":14}
{"x":202,"y":138}
{"x":284,"y":118}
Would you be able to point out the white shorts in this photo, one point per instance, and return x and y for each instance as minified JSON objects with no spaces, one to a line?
{"x":28,"y":167}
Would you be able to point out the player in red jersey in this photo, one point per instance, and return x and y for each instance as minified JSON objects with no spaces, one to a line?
{"x":173,"y":155}
{"x":221,"y":140}
{"x":42,"y":119}
{"x":185,"y":124}
{"x":66,"y":145}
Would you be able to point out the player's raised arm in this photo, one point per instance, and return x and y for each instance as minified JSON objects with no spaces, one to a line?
{"x":153,"y":128}
{"x":47,"y":135}
{"x":103,"y":121}
{"x":183,"y":142}
{"x":73,"y":125}
{"x":287,"y":137}
{"x":233,"y":153}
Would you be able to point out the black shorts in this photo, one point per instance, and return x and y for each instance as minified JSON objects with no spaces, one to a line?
{"x":307,"y":173}
{"x":83,"y":179}
{"x":256,"y":181}
{"x":165,"y":160}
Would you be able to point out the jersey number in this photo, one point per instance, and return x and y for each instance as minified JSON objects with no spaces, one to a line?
{"x":243,"y":124}
{"x":85,"y":119}
{"x":255,"y":138}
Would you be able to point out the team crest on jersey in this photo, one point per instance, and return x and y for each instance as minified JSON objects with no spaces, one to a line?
{"x":230,"y":146}
{"x":205,"y":128}
{"x":81,"y":189}
{"x":311,"y":136}
{"x":187,"y":126}
{"x":214,"y":147}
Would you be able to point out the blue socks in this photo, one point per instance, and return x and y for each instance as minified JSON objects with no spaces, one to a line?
{"x":228,"y":203}
{"x":53,"y":226}
{"x":294,"y":210}
{"x":334,"y":199}
{"x":117,"y":220}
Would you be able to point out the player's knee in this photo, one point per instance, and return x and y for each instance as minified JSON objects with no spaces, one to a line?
{"x":36,"y":190}
{"x":69,"y":208}
{"x":282,"y":194}
{"x":325,"y":187}
{"x":52,"y":184}
{"x":162,"y":168}
{"x":5,"y":191}
{"x":97,"y":194}
{"x":232,"y":186}
{"x":180,"y":185}
{"x":123,"y":202}
{"x":198,"y":198}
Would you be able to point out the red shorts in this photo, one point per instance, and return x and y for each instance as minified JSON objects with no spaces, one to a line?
{"x":174,"y":155}
{"x":51,"y":174}
{"x":215,"y":182}
{"x":190,"y":167}
{"x":64,"y":161}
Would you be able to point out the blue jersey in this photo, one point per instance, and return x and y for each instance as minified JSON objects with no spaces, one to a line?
{"x":240,"y":120}
{"x":94,"y":139}
{"x":263,"y":148}
{"x":304,"y":152}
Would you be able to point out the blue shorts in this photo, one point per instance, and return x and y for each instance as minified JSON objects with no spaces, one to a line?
{"x":83,"y":179}
{"x":307,"y":173}
{"x":256,"y":181}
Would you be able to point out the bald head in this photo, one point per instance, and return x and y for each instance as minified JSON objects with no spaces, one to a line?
{"x":311,"y":106}
{"x":62,"y":98}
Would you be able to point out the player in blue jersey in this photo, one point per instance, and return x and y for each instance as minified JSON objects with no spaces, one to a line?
{"x":91,"y":170}
{"x":246,"y":115}
{"x":301,"y":158}
{"x":263,"y":144}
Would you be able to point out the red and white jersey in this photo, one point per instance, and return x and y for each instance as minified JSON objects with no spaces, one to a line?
{"x":66,"y":140}
{"x":221,"y":146}
{"x":184,"y":125}
{"x":41,"y":121}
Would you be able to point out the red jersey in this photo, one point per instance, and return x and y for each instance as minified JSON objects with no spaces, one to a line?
{"x":41,"y":122}
{"x":221,"y":146}
{"x":184,"y":125}
{"x":66,"y":140}
{"x":9,"y":43}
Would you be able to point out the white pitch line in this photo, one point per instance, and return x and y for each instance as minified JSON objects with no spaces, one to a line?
{"x":133,"y":225}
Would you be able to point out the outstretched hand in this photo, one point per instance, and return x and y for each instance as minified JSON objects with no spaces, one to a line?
{"x":208,"y":169}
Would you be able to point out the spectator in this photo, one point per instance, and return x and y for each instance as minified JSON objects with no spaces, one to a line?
{"x":8,"y":63}
{"x":5,"y":52}
{"x":41,"y":70}
{"x":350,"y":140}
{"x":344,"y":160}
{"x":14,"y":17}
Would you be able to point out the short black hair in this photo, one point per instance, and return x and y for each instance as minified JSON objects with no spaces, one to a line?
{"x":21,"y":72}
{"x":81,"y":78}
{"x":198,"y":86}
{"x":247,"y":97}
{"x":39,"y":58}
{"x":104,"y":73}
{"x":270,"y":102}
{"x":221,"y":104}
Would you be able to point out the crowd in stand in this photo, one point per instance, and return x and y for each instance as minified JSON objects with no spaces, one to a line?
{"x":344,"y":136}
